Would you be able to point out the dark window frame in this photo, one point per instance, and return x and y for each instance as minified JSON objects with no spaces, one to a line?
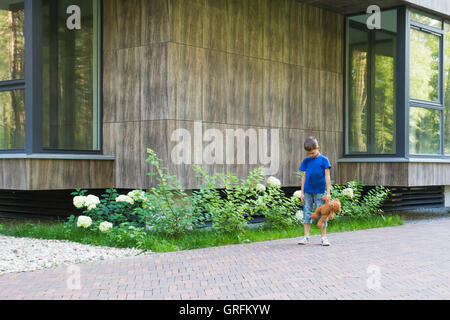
{"x":404,"y":102}
{"x":16,"y":84}
{"x":32,"y":84}
{"x":426,"y":104}
{"x":398,"y":76}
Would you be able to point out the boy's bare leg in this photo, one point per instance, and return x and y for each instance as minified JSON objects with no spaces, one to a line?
{"x":307,"y":227}
{"x":324,"y":231}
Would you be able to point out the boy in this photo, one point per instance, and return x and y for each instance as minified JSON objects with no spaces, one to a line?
{"x":316,"y":178}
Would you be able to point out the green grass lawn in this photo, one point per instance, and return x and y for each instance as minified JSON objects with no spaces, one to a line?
{"x":195,"y":239}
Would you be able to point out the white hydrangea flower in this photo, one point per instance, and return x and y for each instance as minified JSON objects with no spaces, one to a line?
{"x":272,"y":181}
{"x":137,"y":195}
{"x":79,"y":201}
{"x":124,"y":198}
{"x":92,"y":202}
{"x":297,"y":194}
{"x":348,"y":192}
{"x":105,"y":226}
{"x":260,"y":187}
{"x":260,"y":201}
{"x":299,"y":215}
{"x":84,"y":222}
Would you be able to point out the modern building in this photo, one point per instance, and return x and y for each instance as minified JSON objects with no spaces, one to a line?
{"x":86,"y":86}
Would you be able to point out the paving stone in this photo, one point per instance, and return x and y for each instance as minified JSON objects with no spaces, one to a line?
{"x":404,"y":261}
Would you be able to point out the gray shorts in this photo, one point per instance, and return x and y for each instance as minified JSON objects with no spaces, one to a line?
{"x":310,"y":200}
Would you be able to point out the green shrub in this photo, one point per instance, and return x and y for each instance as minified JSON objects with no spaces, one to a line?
{"x":359,"y":206}
{"x":126,"y":235}
{"x":168,"y":208}
{"x":228,"y":213}
{"x":279,"y":210}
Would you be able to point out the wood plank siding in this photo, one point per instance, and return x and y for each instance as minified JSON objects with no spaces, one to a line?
{"x":401,"y":174}
{"x":229,"y":64}
{"x":55,"y":174}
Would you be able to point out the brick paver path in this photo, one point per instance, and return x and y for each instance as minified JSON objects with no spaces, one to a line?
{"x":407,"y":262}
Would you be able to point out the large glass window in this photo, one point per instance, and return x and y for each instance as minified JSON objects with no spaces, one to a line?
{"x":12,"y":75}
{"x":371,"y":85}
{"x":56,"y":93}
{"x":70,"y":77}
{"x":426,"y":105}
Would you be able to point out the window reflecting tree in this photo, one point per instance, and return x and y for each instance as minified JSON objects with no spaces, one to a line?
{"x":425,"y":131}
{"x":12,"y":53}
{"x":69,"y":78}
{"x":371,"y":95}
{"x":424,"y":65}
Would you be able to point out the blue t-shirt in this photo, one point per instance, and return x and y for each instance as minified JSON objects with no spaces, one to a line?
{"x":314,"y":169}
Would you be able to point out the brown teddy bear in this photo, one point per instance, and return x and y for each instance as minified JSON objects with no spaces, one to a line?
{"x":327,"y":211}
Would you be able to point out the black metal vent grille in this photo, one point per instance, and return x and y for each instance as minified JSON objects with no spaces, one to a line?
{"x":48,"y":204}
{"x":412,"y":198}
{"x":45,"y":204}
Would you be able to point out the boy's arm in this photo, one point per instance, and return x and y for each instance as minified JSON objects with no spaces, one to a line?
{"x":303,"y":186}
{"x":328,"y":181}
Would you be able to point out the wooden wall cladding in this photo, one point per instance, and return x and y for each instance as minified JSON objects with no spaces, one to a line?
{"x":52,"y":174}
{"x":279,"y":30}
{"x":405,"y":174}
{"x":429,"y":174}
{"x":374,"y":173}
{"x":133,"y":23}
{"x":229,"y":64}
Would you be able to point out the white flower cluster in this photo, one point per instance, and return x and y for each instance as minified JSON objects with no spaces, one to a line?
{"x":105,"y":226}
{"x":348,"y":192}
{"x":297,"y":194}
{"x":84,"y":222}
{"x":299,"y":215}
{"x":79,"y":201}
{"x":260,"y":187}
{"x":137,"y":195}
{"x":90,"y":202}
{"x":260,"y":201}
{"x":274,"y":182}
{"x":123,"y":198}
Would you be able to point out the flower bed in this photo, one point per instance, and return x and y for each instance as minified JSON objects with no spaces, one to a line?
{"x":167,"y":209}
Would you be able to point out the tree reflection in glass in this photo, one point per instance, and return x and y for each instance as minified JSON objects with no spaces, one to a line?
{"x":425,"y":131}
{"x":424,"y":65}
{"x":371,"y":91}
{"x":12,"y":53}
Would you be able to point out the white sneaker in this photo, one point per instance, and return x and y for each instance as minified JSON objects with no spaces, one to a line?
{"x":325,"y":242}
{"x":304,"y":241}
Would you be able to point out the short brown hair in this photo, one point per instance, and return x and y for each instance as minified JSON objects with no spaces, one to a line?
{"x":311,"y":144}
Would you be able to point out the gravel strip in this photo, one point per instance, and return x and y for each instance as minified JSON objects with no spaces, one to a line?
{"x":25,"y":254}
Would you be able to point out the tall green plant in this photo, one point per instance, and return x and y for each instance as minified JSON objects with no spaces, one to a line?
{"x":168,"y":208}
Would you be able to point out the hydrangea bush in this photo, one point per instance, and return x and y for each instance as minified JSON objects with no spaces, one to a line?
{"x":355,"y":204}
{"x":168,"y":209}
